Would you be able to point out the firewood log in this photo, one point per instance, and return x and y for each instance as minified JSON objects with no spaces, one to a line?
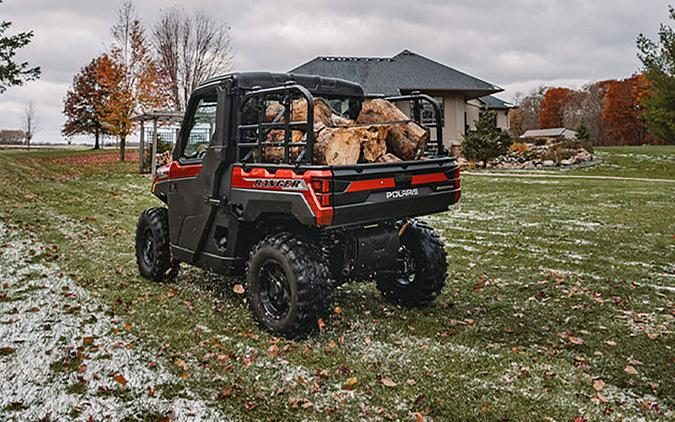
{"x":374,"y":144}
{"x":405,"y":140}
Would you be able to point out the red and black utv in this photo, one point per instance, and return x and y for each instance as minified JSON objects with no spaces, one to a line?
{"x":295,"y":229}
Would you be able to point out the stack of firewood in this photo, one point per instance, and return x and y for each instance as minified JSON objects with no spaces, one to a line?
{"x":373,"y":137}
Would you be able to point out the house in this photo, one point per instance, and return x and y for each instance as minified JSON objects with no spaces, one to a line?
{"x":461,"y":96}
{"x":555,"y":133}
{"x":10,"y":136}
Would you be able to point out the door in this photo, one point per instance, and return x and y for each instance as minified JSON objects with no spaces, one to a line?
{"x":189,"y":207}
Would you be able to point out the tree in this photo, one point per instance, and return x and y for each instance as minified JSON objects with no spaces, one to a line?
{"x":527,"y":116}
{"x":552,"y":107}
{"x":190,"y":49}
{"x":139,"y":89}
{"x":85,"y":101}
{"x":11,"y":72}
{"x":30,"y":122}
{"x":583,"y":134}
{"x":486,"y":141}
{"x":658,"y":61}
{"x":117,"y":111}
{"x":622,"y":112}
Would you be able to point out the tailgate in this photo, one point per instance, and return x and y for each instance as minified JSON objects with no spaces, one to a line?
{"x":373,"y":192}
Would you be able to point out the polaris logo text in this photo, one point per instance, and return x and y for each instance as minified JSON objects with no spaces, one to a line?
{"x":402,"y":193}
{"x":283,"y":184}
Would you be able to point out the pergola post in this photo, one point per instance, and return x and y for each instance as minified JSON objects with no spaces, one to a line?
{"x":141,"y":149}
{"x":153,"y":159}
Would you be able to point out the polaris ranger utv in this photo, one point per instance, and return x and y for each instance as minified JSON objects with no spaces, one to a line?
{"x":295,"y":229}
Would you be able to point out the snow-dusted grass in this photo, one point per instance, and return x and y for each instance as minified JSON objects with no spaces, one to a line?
{"x":553,"y":287}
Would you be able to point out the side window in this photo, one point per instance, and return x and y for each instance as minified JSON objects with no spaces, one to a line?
{"x":203,"y":128}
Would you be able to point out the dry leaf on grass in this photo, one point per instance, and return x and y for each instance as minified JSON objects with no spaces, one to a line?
{"x":120,"y":379}
{"x":630,"y":369}
{"x":238,"y":289}
{"x":387,"y":382}
{"x":598,"y":385}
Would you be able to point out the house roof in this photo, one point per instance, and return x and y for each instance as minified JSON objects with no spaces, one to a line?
{"x":550,"y":133}
{"x":406,"y":71}
{"x":492,"y":102}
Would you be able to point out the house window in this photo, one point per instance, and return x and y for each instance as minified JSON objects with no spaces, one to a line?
{"x":428,"y":116}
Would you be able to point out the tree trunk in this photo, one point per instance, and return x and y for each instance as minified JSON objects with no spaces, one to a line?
{"x":405,"y":140}
{"x":338,"y":146}
{"x":122,"y":145}
{"x":96,"y":139}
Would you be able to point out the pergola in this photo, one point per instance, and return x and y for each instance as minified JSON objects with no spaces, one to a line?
{"x":155,"y":117}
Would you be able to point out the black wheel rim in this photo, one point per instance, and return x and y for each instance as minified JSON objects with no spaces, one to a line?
{"x":275,"y":291}
{"x":407,"y":267}
{"x":148,"y":251}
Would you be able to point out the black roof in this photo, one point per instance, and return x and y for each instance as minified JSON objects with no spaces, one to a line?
{"x":406,"y":71}
{"x":492,"y":102}
{"x":317,"y":85}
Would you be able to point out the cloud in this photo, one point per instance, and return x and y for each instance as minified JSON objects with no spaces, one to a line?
{"x":516,"y":44}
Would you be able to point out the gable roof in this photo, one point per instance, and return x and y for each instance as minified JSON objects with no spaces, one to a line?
{"x":494,"y":103}
{"x":406,"y":71}
{"x":550,"y":133}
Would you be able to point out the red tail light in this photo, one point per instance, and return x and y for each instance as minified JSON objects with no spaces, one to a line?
{"x":323,"y":190}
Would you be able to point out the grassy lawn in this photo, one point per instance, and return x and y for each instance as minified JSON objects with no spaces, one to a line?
{"x":559,"y":303}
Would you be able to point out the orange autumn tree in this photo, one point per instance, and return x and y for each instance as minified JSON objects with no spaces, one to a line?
{"x":134,"y":76}
{"x":553,"y":107}
{"x":621,"y":111}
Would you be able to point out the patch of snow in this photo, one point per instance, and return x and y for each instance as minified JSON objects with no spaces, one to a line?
{"x":46,"y":317}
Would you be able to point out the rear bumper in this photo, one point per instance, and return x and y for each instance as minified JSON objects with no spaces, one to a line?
{"x":378,"y":207}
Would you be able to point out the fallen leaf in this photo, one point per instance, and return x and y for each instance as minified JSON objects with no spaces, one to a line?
{"x":602,"y":397}
{"x":226,"y":391}
{"x":88,"y":340}
{"x":171,"y":293}
{"x":410,"y":381}
{"x":181,"y":364}
{"x":185,"y":375}
{"x":273,"y":350}
{"x":388,"y":383}
{"x":630,"y":369}
{"x":238,"y":289}
{"x":418,"y":417}
{"x":320,"y":322}
{"x":575,"y":340}
{"x":151,"y":392}
{"x":598,"y":385}
{"x":351,"y":381}
{"x":338,"y":310}
{"x":128,"y":326}
{"x":307,"y":404}
{"x":120,"y":379}
{"x":6,"y":351}
{"x":332,"y":344}
{"x":250,"y":405}
{"x":81,"y":368}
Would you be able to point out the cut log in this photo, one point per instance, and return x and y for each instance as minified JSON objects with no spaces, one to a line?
{"x":322,"y":112}
{"x":340,"y":146}
{"x":405,"y":140}
{"x":374,"y":144}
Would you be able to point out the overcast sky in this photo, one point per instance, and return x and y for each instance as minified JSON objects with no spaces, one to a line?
{"x":516,"y":44}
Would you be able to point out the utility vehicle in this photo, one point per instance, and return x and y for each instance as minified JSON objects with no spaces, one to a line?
{"x":295,"y":229}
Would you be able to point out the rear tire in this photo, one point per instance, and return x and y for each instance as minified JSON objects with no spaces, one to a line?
{"x":288,"y":285}
{"x":153,"y":249}
{"x":422,"y":248}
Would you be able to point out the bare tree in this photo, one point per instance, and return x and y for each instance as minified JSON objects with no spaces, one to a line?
{"x":30,"y":122}
{"x":529,"y":107}
{"x":190,"y":48}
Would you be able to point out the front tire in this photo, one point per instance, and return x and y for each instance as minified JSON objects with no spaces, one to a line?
{"x":425,"y":268}
{"x":153,"y":249}
{"x":287,"y":285}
